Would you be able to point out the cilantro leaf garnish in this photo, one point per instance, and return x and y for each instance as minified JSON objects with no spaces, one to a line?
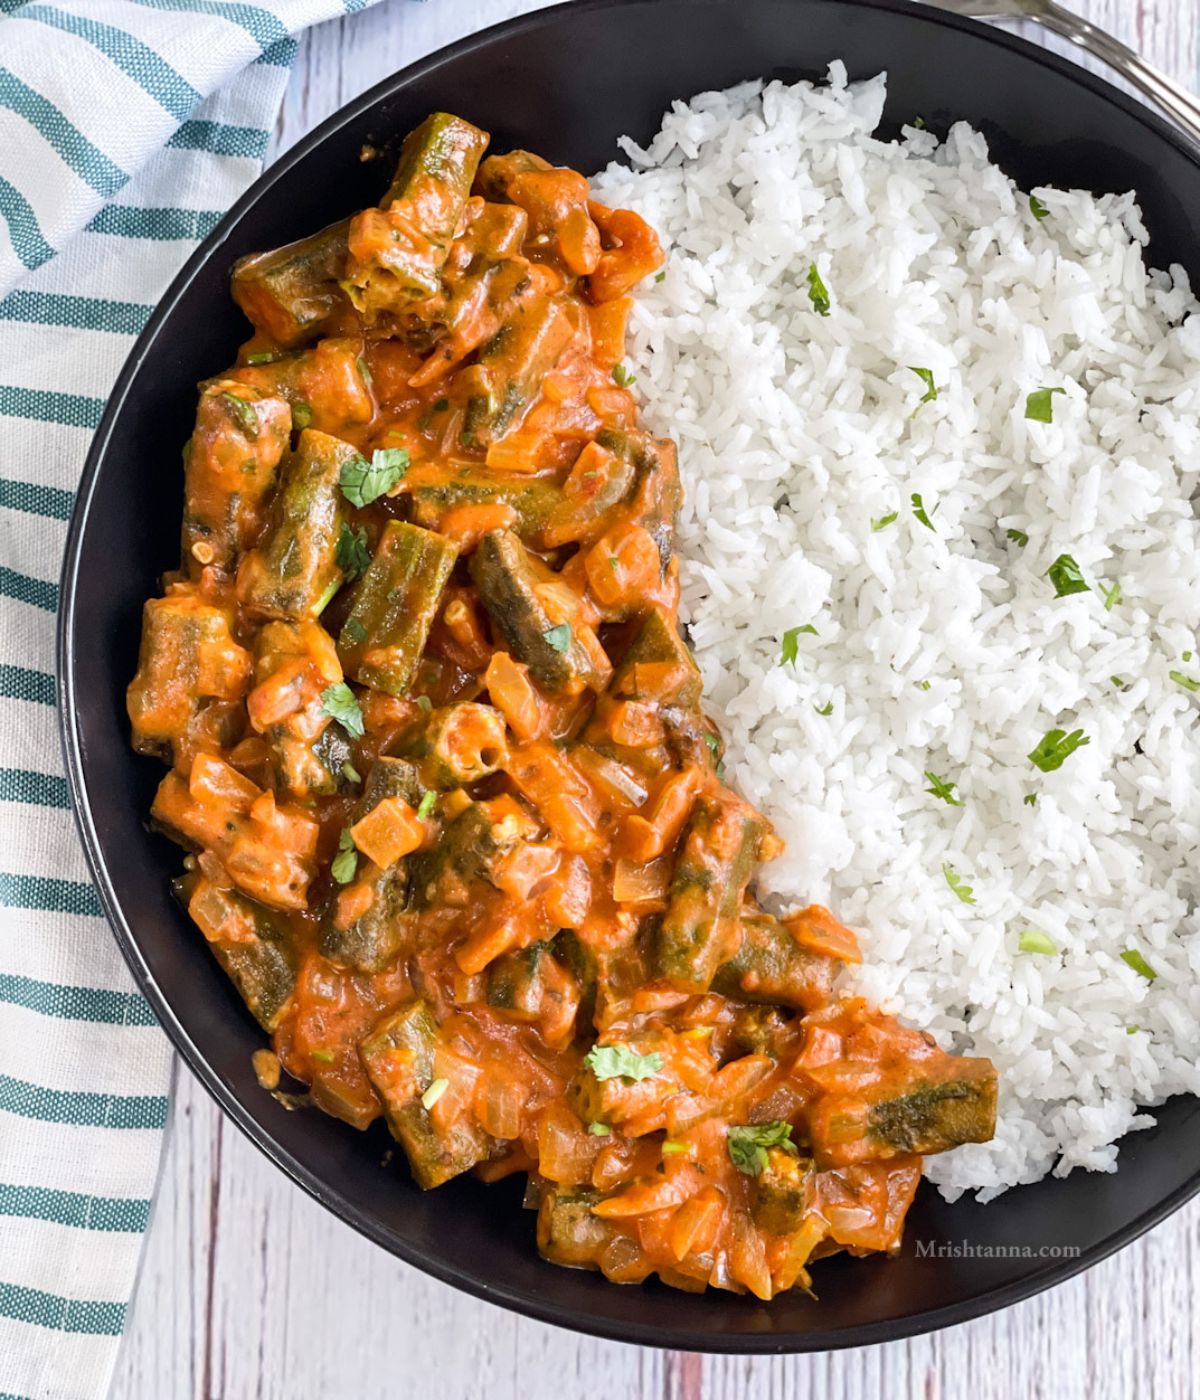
{"x":926,"y":378}
{"x":1033,"y":940}
{"x":1186,"y":681}
{"x":345,"y":863}
{"x":818,"y":293}
{"x":1132,"y":958}
{"x":363,"y":482}
{"x":427,"y":804}
{"x":623,"y":377}
{"x":790,"y":649}
{"x":1037,"y":208}
{"x":1039,"y":406}
{"x":352,"y":555}
{"x":1018,"y":537}
{"x":920,"y":512}
{"x":1066,"y":576}
{"x":622,"y":1062}
{"x":339,"y":703}
{"x":748,"y":1144}
{"x":1112,"y":596}
{"x":940,"y":787}
{"x":883,"y":521}
{"x":959,"y":886}
{"x":1055,"y":747}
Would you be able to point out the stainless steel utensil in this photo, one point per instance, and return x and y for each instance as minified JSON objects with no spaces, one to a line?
{"x":1178,"y":103}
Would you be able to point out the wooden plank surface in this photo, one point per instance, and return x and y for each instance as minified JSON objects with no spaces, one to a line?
{"x":249,"y":1289}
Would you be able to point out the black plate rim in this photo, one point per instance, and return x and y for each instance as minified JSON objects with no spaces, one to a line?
{"x":778,"y":1343}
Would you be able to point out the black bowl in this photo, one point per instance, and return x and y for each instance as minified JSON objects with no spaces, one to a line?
{"x":567,"y":82}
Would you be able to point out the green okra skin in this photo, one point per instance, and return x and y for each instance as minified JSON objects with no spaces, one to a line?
{"x":398,"y":1057}
{"x":497,"y":173}
{"x":187,"y":656}
{"x":770,"y":966}
{"x":514,"y":981}
{"x":513,"y":364}
{"x":534,"y":501}
{"x":263,"y":967}
{"x":465,"y":850}
{"x":658,"y":493}
{"x":375,"y":939}
{"x":699,"y":929}
{"x":936,"y":1115}
{"x":502,"y":573}
{"x":230,"y":466}
{"x":394,"y":261}
{"x":394,"y":605}
{"x":781,"y":1195}
{"x":658,"y":640}
{"x":294,"y":294}
{"x":567,"y":1231}
{"x":294,"y":571}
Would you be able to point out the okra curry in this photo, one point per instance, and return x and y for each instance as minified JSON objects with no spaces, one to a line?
{"x":457,"y":825}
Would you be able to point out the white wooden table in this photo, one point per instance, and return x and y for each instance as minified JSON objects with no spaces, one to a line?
{"x":249,"y":1289}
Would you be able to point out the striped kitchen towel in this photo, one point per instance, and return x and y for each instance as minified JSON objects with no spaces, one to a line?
{"x":126,"y":128}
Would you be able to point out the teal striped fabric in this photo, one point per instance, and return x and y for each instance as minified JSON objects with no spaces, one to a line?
{"x":126,"y":128}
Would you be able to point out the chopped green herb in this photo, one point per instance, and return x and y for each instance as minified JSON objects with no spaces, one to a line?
{"x":748,"y":1145}
{"x":960,"y":887}
{"x":1112,"y":596}
{"x":661,"y":276}
{"x":939,"y":787}
{"x":423,"y":702}
{"x":428,"y":803}
{"x":714,"y":745}
{"x":826,"y":709}
{"x":1066,"y":576}
{"x":558,"y":637}
{"x":1132,"y":1030}
{"x":1186,"y":681}
{"x":926,"y":378}
{"x":322,"y":1056}
{"x":1132,"y":958}
{"x":1187,"y":656}
{"x":1039,"y":406}
{"x":919,"y":511}
{"x":919,"y":123}
{"x":791,"y":643}
{"x":263,"y":357}
{"x":672,"y":1147}
{"x":364,"y":371}
{"x":1037,"y":208}
{"x":622,"y":376}
{"x":363,"y":482}
{"x":883,"y":521}
{"x":345,"y":863}
{"x":924,"y":685}
{"x":1117,"y":681}
{"x":1030,"y":799}
{"x":302,"y":414}
{"x":244,"y":413}
{"x":614,"y":563}
{"x":339,"y":703}
{"x":1033,"y":940}
{"x":350,"y":773}
{"x":1055,"y":747}
{"x":818,"y":293}
{"x":433,"y":1093}
{"x":354,"y":632}
{"x":599,"y":1130}
{"x":352,"y":554}
{"x":1018,"y":537}
{"x":621,"y":1062}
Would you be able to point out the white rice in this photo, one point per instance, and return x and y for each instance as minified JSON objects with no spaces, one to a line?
{"x":945,"y":651}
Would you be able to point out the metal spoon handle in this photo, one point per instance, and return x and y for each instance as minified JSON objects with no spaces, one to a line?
{"x":1171,"y":96}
